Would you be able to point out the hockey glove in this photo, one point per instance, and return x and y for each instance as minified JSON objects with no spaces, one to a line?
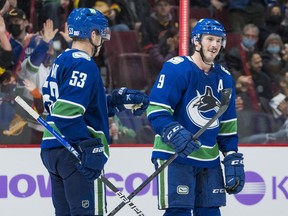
{"x":92,"y":158}
{"x":234,"y":173}
{"x":134,"y":100}
{"x":180,"y":139}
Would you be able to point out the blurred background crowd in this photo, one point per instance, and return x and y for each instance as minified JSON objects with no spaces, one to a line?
{"x":144,"y":36}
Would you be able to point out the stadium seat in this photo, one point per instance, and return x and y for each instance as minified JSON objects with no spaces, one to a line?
{"x":233,"y":40}
{"x":222,"y":17}
{"x":131,"y":71}
{"x":199,"y":13}
{"x":126,"y":63}
{"x":122,"y":42}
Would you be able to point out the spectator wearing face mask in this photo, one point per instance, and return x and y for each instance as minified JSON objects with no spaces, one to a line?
{"x":272,"y":55}
{"x":17,"y":25}
{"x":272,"y":24}
{"x":236,"y":59}
{"x":236,"y":56}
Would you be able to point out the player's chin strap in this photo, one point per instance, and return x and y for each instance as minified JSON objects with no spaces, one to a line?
{"x":203,"y":57}
{"x":96,"y":47}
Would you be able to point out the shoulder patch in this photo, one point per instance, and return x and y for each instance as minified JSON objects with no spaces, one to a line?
{"x":225,"y":70}
{"x":81,"y":55}
{"x":176,"y":60}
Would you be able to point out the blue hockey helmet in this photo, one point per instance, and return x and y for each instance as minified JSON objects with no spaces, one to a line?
{"x":210,"y":27}
{"x":83,"y":21}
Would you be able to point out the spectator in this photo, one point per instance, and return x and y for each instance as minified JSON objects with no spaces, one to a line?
{"x":261,"y":80}
{"x":273,"y":52}
{"x":257,"y":79}
{"x":6,"y":54}
{"x":34,"y":71}
{"x":118,"y":13}
{"x":242,"y":13}
{"x":278,"y":136}
{"x":124,"y":15}
{"x":166,"y":48}
{"x":273,"y":19}
{"x":212,"y":5}
{"x":255,"y":91}
{"x":282,"y":81}
{"x":237,"y":55}
{"x":57,"y":11}
{"x":17,"y":25}
{"x":12,"y":125}
{"x":7,"y":88}
{"x":113,"y":12}
{"x":159,"y":20}
{"x":283,"y":31}
{"x":217,"y":4}
{"x":119,"y":133}
{"x":141,"y":9}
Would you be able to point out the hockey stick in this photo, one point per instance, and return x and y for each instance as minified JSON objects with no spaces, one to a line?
{"x":70,"y":148}
{"x":225,"y":99}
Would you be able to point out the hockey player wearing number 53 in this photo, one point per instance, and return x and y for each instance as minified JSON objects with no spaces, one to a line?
{"x":78,"y":108}
{"x":185,"y":96}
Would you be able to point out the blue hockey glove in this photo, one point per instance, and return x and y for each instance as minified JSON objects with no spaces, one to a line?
{"x":234,"y":173}
{"x":125,"y":98}
{"x":181,"y":139}
{"x":92,"y":158}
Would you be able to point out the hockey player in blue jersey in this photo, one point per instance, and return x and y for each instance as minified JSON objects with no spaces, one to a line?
{"x":78,"y":108}
{"x":185,"y":96}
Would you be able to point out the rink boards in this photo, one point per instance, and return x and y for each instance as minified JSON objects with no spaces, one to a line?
{"x":25,"y":185}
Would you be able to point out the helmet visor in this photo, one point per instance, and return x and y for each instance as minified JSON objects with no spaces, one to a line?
{"x":106,"y":34}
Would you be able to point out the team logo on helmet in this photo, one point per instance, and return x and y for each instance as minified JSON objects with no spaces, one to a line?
{"x":203,"y":107}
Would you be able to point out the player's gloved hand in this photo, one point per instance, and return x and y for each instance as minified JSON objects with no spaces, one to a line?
{"x":234,"y":173}
{"x":92,"y":158}
{"x":125,"y":98}
{"x":181,"y":139}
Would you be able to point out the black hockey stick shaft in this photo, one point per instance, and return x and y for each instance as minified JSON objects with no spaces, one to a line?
{"x":70,"y":148}
{"x":225,"y":99}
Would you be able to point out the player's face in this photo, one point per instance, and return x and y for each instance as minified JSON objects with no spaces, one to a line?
{"x":97,"y":41}
{"x":211,"y":46}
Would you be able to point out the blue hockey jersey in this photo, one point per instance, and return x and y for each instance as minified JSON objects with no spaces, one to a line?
{"x":184,"y":93}
{"x":74,"y":96}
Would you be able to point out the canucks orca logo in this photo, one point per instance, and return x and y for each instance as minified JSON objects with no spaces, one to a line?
{"x":203,"y":107}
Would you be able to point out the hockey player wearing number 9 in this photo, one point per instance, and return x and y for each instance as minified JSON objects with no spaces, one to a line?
{"x":185,"y":96}
{"x":78,"y":108}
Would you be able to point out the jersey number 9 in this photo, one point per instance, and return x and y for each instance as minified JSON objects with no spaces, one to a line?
{"x":161,"y":81}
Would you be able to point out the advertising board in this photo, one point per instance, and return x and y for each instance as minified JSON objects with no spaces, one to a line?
{"x":25,"y":187}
